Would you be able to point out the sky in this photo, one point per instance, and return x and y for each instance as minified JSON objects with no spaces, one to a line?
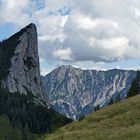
{"x":88,"y":34}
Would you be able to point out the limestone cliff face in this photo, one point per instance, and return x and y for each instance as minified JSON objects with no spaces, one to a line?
{"x":24,"y":73}
{"x":75,"y":92}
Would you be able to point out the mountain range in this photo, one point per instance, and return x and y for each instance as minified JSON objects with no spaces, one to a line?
{"x":70,"y":91}
{"x":31,"y":104}
{"x":75,"y":92}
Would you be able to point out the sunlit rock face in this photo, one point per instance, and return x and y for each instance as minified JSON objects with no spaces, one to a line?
{"x":75,"y":92}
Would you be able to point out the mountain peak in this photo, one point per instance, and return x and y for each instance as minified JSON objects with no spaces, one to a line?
{"x":75,"y":92}
{"x":21,"y":62}
{"x":66,"y":67}
{"x":30,"y":27}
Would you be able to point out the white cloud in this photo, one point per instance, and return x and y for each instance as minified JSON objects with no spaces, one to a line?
{"x":85,"y":22}
{"x":63,"y":54}
{"x":45,"y":71}
{"x":137,"y":12}
{"x":112,"y":48}
{"x":14,"y":12}
{"x":103,"y":31}
{"x":115,"y":43}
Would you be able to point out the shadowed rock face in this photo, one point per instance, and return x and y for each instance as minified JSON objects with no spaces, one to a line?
{"x":75,"y":92}
{"x":23,"y":72}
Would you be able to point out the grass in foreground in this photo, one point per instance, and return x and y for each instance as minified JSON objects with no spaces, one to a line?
{"x":120,"y":121}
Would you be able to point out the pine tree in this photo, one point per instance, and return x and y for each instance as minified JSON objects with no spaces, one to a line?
{"x":118,"y":98}
{"x":97,"y":107}
{"x":135,"y":87}
{"x":111,"y":101}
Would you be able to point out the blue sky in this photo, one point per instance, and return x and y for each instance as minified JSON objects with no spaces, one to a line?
{"x":99,"y":34}
{"x":6,"y":30}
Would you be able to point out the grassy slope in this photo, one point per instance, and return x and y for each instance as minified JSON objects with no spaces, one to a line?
{"x":120,"y":121}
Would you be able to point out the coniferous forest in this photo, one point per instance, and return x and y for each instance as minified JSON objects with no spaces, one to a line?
{"x":24,"y":118}
{"x":135,"y":87}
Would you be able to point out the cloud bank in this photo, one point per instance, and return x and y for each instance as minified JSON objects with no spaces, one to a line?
{"x":99,"y":31}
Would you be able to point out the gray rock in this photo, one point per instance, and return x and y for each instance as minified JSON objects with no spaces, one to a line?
{"x":24,"y":71}
{"x":75,"y":92}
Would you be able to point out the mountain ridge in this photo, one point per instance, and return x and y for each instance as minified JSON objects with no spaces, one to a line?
{"x":75,"y":92}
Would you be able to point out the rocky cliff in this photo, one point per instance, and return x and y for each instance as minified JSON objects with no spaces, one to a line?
{"x":75,"y":92}
{"x":19,"y":62}
{"x":20,"y":75}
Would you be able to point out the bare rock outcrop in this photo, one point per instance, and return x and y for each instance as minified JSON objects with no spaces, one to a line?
{"x":23,"y":74}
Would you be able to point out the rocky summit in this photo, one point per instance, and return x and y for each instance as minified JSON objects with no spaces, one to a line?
{"x":75,"y":92}
{"x":19,"y":62}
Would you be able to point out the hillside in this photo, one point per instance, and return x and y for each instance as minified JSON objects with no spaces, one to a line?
{"x":26,"y":112}
{"x":120,"y":121}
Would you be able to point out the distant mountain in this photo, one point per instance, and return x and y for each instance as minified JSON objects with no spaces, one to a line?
{"x":75,"y":92}
{"x":120,"y":121}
